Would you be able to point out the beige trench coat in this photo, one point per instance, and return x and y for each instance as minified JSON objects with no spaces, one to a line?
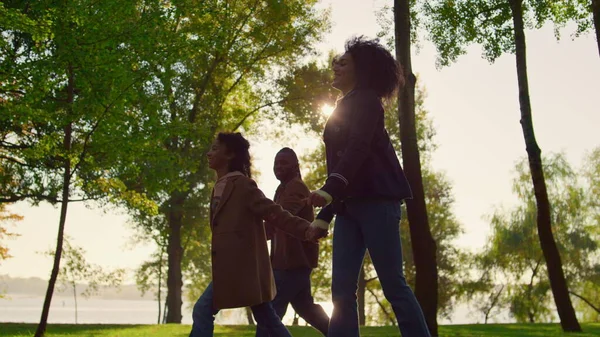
{"x":241,"y":268}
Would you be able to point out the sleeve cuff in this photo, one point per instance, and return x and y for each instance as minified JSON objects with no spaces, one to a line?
{"x":325,"y":195}
{"x":320,"y":224}
{"x":334,"y":186}
{"x":326,"y":214}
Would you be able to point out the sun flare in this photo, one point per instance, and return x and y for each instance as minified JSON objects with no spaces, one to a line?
{"x":328,"y":307}
{"x":289,"y":315}
{"x":326,"y":110}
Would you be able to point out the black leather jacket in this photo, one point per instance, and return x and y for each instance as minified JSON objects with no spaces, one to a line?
{"x":361,"y":161}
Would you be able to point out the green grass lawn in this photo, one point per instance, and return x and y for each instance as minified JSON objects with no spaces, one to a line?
{"x":475,"y":330}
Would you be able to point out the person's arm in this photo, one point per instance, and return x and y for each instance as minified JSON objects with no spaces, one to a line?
{"x":274,"y":213}
{"x":363,"y":122}
{"x":269,"y":231}
{"x":293,"y":198}
{"x":323,"y":218}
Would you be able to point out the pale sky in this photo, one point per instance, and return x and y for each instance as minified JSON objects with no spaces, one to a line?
{"x":474,"y":106}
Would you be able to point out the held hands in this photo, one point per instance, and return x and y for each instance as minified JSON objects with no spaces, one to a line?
{"x":315,"y":199}
{"x":313,"y":234}
{"x":319,"y":228}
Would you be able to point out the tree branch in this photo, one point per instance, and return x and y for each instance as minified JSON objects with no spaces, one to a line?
{"x":15,"y":198}
{"x":82,"y":199}
{"x":107,"y":108}
{"x":492,"y":9}
{"x":387,"y":314}
{"x":14,"y":92}
{"x":253,"y":111}
{"x":40,"y":197}
{"x":250,"y":64}
{"x":487,"y":18}
{"x":14,"y":160}
{"x":588,"y":302}
{"x":8,"y":145}
{"x":371,"y":279}
{"x":494,"y":300}
{"x":201,"y":89}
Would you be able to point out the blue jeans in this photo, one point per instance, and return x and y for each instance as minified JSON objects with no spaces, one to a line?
{"x":204,"y":317}
{"x":372,"y":225}
{"x":293,"y":287}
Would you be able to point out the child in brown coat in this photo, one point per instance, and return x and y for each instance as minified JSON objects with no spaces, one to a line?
{"x":242,"y":275}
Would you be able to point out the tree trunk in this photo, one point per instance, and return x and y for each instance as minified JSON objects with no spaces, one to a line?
{"x":362,"y":286}
{"x":158,"y":300}
{"x":423,"y":244}
{"x":174,"y":254}
{"x":295,"y":320}
{"x":596,"y":18}
{"x":75,"y":299}
{"x":389,"y":316}
{"x":249,"y":317}
{"x":41,"y":328}
{"x":493,"y":303}
{"x":164,"y":318}
{"x":568,"y":319}
{"x":530,"y":299}
{"x":160,"y":278}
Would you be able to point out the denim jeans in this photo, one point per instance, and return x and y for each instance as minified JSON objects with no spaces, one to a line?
{"x":293,"y":287}
{"x":204,"y":317}
{"x":372,"y":225}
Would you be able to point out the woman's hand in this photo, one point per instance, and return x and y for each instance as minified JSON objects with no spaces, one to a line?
{"x":315,"y":199}
{"x":314,"y":234}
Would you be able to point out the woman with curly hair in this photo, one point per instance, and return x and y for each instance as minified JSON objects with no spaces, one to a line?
{"x":364,"y":188}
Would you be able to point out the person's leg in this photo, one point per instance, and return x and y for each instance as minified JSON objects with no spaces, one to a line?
{"x":265,"y":315}
{"x":348,"y":254}
{"x":203,"y":315}
{"x":285,"y":292}
{"x":381,"y":227}
{"x":304,"y":304}
{"x":286,"y":289}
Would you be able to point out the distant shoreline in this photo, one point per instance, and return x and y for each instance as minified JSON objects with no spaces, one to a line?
{"x":35,"y":286}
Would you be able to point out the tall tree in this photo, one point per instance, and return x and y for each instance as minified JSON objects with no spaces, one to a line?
{"x":150,"y":275}
{"x":65,"y":79}
{"x":588,"y":293}
{"x":514,"y":253}
{"x":212,"y":63}
{"x":596,"y":16}
{"x":76,"y":270}
{"x":424,"y":246}
{"x":585,"y":14}
{"x":544,"y":222}
{"x":500,"y":26}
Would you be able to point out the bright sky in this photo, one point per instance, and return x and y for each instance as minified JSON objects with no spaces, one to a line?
{"x":475,"y":109}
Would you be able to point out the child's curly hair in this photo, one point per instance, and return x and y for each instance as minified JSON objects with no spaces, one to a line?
{"x":239,"y":146}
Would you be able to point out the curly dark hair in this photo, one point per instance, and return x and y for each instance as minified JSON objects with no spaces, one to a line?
{"x":239,"y":146}
{"x":375,"y":67}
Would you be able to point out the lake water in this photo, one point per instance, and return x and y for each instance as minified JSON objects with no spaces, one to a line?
{"x":19,"y":308}
{"x":28,"y":310}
